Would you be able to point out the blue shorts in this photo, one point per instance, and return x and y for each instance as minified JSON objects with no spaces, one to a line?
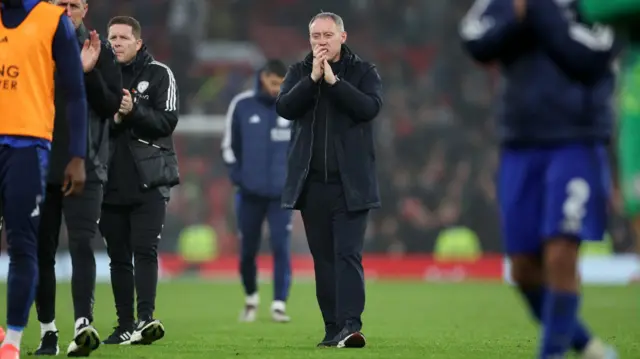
{"x":551,"y":192}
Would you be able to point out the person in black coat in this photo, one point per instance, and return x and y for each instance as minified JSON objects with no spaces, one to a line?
{"x":143,"y":167}
{"x":332,"y":97}
{"x":103,"y":82}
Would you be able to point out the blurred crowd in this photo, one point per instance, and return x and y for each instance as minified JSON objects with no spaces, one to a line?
{"x":436,"y":149}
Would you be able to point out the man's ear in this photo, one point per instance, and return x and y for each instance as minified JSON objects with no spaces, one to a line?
{"x":343,"y":37}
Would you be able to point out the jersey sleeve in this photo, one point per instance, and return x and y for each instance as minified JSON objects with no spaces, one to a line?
{"x":581,"y":50}
{"x":487,"y":28}
{"x":66,"y":54}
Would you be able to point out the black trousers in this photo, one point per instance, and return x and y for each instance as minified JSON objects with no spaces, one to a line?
{"x":132,"y":234}
{"x":81,"y":214}
{"x":336,"y":238}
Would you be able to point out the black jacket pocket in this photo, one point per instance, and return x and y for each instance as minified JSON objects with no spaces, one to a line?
{"x":157,"y":165}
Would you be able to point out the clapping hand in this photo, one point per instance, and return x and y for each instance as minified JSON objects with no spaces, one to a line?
{"x":329,"y":76}
{"x":90,"y":52}
{"x":319,"y":58}
{"x":127,"y":103}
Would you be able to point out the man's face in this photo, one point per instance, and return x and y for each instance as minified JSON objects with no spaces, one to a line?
{"x":324,"y":33}
{"x":271,"y":83}
{"x":76,"y":10}
{"x":124,"y":43}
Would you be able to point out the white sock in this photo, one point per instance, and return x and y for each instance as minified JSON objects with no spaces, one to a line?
{"x":47,"y":327}
{"x":278,"y":305}
{"x":14,"y":337}
{"x":252,"y":300}
{"x":80,"y":322}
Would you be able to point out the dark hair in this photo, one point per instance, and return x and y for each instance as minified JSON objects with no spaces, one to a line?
{"x":127,"y":20}
{"x":275,"y":67}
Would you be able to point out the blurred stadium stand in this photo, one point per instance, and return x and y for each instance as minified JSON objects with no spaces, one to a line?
{"x":436,"y":147}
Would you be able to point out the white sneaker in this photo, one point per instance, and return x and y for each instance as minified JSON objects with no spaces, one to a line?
{"x":147,"y":332}
{"x":250,"y":311}
{"x":85,"y":340}
{"x":279,"y":312}
{"x":596,"y":349}
{"x":249,"y":314}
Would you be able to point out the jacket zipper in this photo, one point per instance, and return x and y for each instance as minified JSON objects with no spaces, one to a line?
{"x":131,"y":150}
{"x":326,"y":143}
{"x":313,"y":122}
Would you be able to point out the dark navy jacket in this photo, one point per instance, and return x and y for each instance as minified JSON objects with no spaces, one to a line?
{"x":349,"y":107}
{"x":558,"y":70}
{"x":255,"y":144}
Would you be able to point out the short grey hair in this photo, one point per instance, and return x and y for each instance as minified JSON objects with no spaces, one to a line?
{"x":329,"y":15}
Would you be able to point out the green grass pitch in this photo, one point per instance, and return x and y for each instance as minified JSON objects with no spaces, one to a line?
{"x":402,"y":320}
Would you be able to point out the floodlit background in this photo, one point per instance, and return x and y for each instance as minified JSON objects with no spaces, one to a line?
{"x":437,"y":156}
{"x":436,"y":144}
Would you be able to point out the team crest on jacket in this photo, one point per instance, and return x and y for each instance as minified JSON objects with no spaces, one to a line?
{"x":143,"y":86}
{"x":283,"y":122}
{"x":282,"y":131}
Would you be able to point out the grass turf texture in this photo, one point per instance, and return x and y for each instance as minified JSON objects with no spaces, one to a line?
{"x":402,"y":320}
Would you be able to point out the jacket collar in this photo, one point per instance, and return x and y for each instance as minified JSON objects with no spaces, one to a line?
{"x":82,"y":33}
{"x":142,"y":59}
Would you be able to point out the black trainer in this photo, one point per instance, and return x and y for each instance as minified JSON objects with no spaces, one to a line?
{"x":330,"y":333}
{"x":120,"y":336}
{"x":48,"y":344}
{"x":147,"y":331}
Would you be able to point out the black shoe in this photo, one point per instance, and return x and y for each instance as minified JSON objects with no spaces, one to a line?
{"x":120,"y":336}
{"x":85,"y":341}
{"x":327,"y":343}
{"x":48,"y":344}
{"x":350,"y":339}
{"x":147,"y":331}
{"x":330,"y":334}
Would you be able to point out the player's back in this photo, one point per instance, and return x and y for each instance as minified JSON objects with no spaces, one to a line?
{"x":26,"y":73}
{"x":541,"y":103}
{"x":542,"y":100}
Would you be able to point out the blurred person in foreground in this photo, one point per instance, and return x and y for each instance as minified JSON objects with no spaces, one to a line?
{"x":554,"y":177}
{"x":624,"y":16}
{"x":254,"y":149}
{"x":103,"y":83}
{"x":142,"y":169}
{"x":35,"y":38}
{"x":332,"y":97}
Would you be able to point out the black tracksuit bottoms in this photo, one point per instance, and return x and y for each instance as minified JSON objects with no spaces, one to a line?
{"x":132,"y":234}
{"x":336,"y":238}
{"x":81,"y":214}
